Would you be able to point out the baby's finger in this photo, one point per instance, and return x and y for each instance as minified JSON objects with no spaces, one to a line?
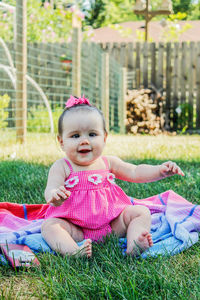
{"x":51,"y":202}
{"x":175,"y":168}
{"x":56,"y":196}
{"x":164,"y":169}
{"x":180,"y":172}
{"x":55,"y":203}
{"x":62,"y":188}
{"x":62,"y":195}
{"x":172,"y":166}
{"x":66,"y":192}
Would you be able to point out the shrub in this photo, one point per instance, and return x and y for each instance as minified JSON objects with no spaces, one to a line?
{"x":4,"y":102}
{"x":38,"y":119}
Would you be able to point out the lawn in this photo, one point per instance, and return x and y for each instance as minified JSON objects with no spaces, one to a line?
{"x":108,"y":274}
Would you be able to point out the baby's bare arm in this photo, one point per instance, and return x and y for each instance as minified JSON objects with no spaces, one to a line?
{"x":55,"y":192}
{"x":142,"y":172}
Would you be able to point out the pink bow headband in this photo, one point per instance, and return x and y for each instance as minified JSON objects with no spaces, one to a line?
{"x":72,"y":101}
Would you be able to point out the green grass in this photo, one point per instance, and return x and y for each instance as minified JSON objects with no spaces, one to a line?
{"x":107,"y":275}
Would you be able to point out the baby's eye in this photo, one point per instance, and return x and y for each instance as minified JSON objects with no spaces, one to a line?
{"x":75,"y":136}
{"x":92,"y":134}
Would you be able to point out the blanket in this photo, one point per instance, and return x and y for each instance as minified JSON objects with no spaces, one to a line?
{"x":175,"y":224}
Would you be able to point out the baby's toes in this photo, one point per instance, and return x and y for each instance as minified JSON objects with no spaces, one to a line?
{"x":149,"y":239}
{"x":143,"y":236}
{"x":88,"y":247}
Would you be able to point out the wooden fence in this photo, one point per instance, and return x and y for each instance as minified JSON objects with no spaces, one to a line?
{"x":172,"y":68}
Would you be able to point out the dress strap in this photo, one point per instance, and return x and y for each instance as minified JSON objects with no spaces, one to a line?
{"x":106,"y":162}
{"x":69,"y":165}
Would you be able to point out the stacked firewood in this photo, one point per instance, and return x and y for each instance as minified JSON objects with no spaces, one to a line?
{"x":144,"y":111}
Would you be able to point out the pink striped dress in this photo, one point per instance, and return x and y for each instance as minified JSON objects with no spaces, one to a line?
{"x":94,"y":202}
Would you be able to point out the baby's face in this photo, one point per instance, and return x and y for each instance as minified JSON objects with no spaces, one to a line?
{"x":83,"y":137}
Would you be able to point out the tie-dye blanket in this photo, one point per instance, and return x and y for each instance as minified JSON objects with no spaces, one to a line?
{"x":175,"y":224}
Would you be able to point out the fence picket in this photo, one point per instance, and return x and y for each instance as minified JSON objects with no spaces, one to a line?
{"x":183,"y":79}
{"x":153,"y":63}
{"x":191,"y":84}
{"x":198,"y":87}
{"x":123,"y":55}
{"x":137,"y":65}
{"x":168,"y":86}
{"x":175,"y":80}
{"x":145,"y":65}
{"x":159,"y":81}
{"x":130,"y":63}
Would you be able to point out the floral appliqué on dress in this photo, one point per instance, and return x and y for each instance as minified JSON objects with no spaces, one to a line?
{"x":95,"y":178}
{"x":111,"y":178}
{"x":72,"y":181}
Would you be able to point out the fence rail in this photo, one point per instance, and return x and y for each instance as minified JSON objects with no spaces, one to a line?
{"x":172,"y":68}
{"x":48,"y":66}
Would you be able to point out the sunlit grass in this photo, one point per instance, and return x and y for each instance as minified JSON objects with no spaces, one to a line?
{"x":44,"y":148}
{"x":107,"y":275}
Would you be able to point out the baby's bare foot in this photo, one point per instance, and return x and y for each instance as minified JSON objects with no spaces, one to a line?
{"x":143,"y":242}
{"x":85,"y":249}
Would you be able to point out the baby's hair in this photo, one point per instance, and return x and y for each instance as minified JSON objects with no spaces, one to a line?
{"x":76,"y":108}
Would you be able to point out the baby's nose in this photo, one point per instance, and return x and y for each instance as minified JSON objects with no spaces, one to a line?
{"x":84,"y":141}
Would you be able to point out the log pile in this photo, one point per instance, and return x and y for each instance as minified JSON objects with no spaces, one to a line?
{"x":144,"y":111}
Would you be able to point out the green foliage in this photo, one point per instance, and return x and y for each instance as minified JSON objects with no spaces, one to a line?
{"x":182,"y":6}
{"x":44,"y":24}
{"x":6,"y":24}
{"x":140,"y":35}
{"x":183,"y":111}
{"x":195,"y":12}
{"x":96,"y":14}
{"x":173,"y":30}
{"x":38,"y":119}
{"x":123,"y":31}
{"x":4,"y":102}
{"x":105,"y":12}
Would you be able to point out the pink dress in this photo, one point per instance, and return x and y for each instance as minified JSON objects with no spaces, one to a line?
{"x":94,"y":202}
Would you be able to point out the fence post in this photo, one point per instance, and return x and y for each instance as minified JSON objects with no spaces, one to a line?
{"x":76,"y":57}
{"x":105,"y":87}
{"x":122,"y":101}
{"x":21,"y":69}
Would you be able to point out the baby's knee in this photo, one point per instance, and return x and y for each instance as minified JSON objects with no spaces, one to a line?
{"x":46,"y":225}
{"x":143,"y":210}
{"x":132,"y":212}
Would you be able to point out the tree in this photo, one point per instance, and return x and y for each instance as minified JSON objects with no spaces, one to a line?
{"x":105,"y":12}
{"x":182,"y":6}
{"x":95,"y":17}
{"x":195,"y":11}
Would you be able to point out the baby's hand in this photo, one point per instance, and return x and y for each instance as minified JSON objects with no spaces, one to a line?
{"x":58,"y":196}
{"x":170,"y":168}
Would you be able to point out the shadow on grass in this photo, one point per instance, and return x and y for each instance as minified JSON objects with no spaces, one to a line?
{"x":22,"y":182}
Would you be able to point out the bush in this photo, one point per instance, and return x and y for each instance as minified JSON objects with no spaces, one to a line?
{"x":38,"y":119}
{"x":4,"y":102}
{"x":44,"y":24}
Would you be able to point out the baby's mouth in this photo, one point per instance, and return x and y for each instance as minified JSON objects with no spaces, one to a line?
{"x":84,"y":151}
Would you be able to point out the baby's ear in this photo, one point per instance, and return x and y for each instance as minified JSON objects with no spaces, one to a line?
{"x":60,"y":140}
{"x":105,"y":136}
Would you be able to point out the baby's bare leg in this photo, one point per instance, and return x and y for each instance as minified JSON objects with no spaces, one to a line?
{"x":62,"y":236}
{"x":134,"y":222}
